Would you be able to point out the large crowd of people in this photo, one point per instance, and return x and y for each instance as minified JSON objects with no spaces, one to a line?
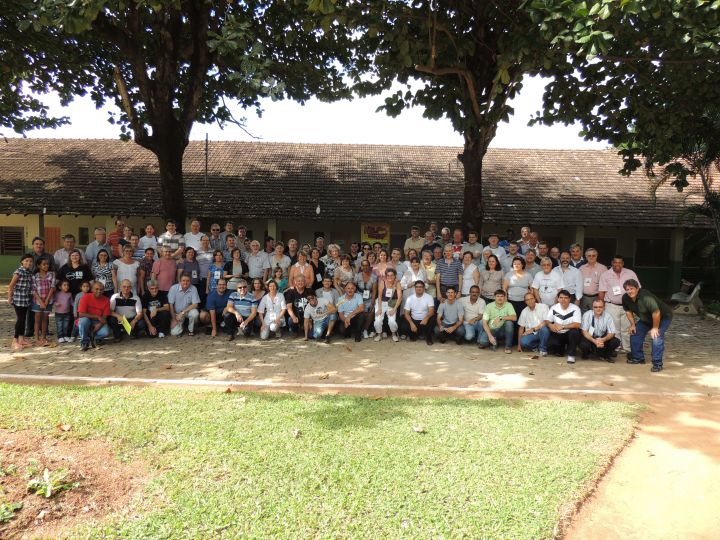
{"x":518,"y":294}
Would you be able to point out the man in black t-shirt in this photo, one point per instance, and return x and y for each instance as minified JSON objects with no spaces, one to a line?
{"x":156,"y":311}
{"x":296,"y":300}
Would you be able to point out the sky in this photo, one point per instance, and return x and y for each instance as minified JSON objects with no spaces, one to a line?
{"x":350,"y":122}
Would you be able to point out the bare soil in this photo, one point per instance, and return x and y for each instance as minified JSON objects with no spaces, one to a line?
{"x":105,"y":484}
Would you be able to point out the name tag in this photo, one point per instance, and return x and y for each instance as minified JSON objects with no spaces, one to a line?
{"x":194,"y":274}
{"x":617,"y":290}
{"x":588,"y":281}
{"x":366,"y":295}
{"x":388,"y":293}
{"x":216,"y":274}
{"x":318,"y":277}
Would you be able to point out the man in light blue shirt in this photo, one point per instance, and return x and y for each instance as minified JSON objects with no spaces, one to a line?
{"x":351,"y":312}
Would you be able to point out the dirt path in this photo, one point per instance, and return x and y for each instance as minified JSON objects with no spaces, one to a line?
{"x":666,"y":484}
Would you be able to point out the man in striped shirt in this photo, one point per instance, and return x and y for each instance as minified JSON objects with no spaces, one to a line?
{"x":598,"y":330}
{"x":450,"y":271}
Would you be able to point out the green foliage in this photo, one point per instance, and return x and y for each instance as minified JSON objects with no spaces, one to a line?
{"x":7,"y":511}
{"x":7,"y":470}
{"x":51,"y":483}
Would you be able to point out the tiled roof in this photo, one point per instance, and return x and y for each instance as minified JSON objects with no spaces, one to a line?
{"x":261,"y":180}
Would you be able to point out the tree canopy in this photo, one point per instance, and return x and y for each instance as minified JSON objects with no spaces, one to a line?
{"x":166,"y":64}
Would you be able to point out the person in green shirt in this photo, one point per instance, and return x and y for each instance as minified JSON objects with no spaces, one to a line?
{"x":647,"y":315}
{"x":498,"y":322}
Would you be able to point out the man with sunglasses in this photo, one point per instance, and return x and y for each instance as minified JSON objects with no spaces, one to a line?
{"x":216,"y":241}
{"x":240,"y":312}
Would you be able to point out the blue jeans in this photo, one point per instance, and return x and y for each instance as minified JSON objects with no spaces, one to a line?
{"x":658,"y":344}
{"x":320,"y":327}
{"x":474,"y":331}
{"x":84,"y":327}
{"x":506,"y":331}
{"x":536,"y":340}
{"x":63,"y":324}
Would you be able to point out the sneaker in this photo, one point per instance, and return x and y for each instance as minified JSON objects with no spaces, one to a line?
{"x":403,"y":337}
{"x":327,"y":339}
{"x":395,"y":337}
{"x":161,"y":335}
{"x":657,"y":368}
{"x":543,"y":353}
{"x":72,"y":339}
{"x":631,"y":360}
{"x":61,"y":340}
{"x":378,"y":337}
{"x":365,"y":334}
{"x":371,"y":334}
{"x":570,"y":359}
{"x":84,"y":347}
{"x":384,"y":335}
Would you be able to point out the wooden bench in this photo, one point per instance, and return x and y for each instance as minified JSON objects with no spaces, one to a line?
{"x":688,"y":303}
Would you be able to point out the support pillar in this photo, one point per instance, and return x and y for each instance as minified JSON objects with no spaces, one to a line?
{"x":677,"y":240}
{"x":580,"y":236}
{"x":272,"y":229}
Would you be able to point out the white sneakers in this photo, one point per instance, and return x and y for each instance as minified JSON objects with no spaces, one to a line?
{"x":365,"y":334}
{"x":161,"y":335}
{"x":395,"y":337}
{"x":570,"y":359}
{"x":378,"y":337}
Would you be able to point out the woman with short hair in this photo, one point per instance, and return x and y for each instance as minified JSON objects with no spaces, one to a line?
{"x":491,"y":277}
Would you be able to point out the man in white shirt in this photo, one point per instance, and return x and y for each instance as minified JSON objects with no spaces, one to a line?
{"x":598,"y":330}
{"x":62,"y":255}
{"x":319,"y":320}
{"x":610,"y":289}
{"x":532,"y":327}
{"x":419,"y":318}
{"x":494,"y":247}
{"x":564,"y":320}
{"x":571,"y":278}
{"x":192,"y":238}
{"x":473,"y":308}
{"x":149,"y":240}
{"x":546,"y":284}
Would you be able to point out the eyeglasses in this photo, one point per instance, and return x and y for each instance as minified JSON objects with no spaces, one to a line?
{"x":242,"y":287}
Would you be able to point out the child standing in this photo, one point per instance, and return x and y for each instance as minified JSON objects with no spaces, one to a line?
{"x":20,"y":297}
{"x":63,"y":311}
{"x":84,"y":289}
{"x":43,"y":290}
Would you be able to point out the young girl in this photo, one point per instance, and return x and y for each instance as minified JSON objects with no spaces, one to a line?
{"x":278,"y":278}
{"x":63,"y":311}
{"x":20,"y":297}
{"x":43,"y":290}
{"x":84,"y":289}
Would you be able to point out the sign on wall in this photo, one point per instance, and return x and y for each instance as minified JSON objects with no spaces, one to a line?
{"x":375,"y":232}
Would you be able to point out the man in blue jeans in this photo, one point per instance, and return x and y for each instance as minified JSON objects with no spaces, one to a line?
{"x":647,"y":315}
{"x":320,"y":316}
{"x":94,"y":310}
{"x":533,"y":332}
{"x":498,"y":323}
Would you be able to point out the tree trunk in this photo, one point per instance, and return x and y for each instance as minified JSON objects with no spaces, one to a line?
{"x":472,"y":160}
{"x":172,"y":192}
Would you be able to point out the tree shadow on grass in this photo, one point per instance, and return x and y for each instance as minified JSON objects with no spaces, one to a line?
{"x":342,"y":412}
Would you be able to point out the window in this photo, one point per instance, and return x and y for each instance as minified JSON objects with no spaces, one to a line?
{"x":606,"y":248}
{"x":83,"y":236}
{"x":652,"y":252}
{"x":11,"y":240}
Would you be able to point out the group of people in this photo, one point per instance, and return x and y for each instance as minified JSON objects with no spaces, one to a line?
{"x":521,"y":293}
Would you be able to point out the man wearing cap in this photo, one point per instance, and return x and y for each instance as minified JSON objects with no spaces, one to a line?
{"x":318,"y":318}
{"x":611,"y":290}
{"x":415,"y":241}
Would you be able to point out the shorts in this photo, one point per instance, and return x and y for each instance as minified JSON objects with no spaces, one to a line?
{"x":35,"y":308}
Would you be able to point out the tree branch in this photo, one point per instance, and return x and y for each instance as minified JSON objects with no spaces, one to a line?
{"x":141,"y":134}
{"x":465,"y":75}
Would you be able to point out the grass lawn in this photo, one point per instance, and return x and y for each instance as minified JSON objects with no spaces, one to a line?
{"x":233,"y":465}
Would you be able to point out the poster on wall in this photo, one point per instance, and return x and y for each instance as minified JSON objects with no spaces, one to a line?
{"x":375,"y":232}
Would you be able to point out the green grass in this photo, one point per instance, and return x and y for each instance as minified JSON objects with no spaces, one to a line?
{"x":229,"y":466}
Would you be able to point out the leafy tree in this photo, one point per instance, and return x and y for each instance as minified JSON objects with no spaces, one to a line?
{"x":460,"y":59}
{"x":166,"y":64}
{"x":645,"y":76}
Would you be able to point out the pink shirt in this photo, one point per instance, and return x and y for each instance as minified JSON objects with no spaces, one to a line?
{"x":63,"y":302}
{"x":612,"y":284}
{"x":165,"y":271}
{"x":591,"y":277}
